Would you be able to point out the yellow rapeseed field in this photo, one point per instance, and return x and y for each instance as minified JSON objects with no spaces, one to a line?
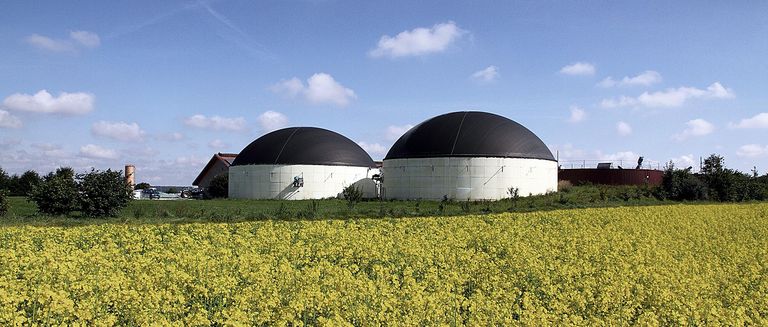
{"x":679,"y":264}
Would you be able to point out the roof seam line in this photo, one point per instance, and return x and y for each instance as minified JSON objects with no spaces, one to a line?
{"x":284,"y":144}
{"x":458,"y":132}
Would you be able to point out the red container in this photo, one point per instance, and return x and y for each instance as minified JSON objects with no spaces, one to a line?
{"x":650,"y":177}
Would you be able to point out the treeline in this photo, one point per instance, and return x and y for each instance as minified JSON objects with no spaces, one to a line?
{"x":19,"y":185}
{"x":62,"y":192}
{"x":715,"y":182}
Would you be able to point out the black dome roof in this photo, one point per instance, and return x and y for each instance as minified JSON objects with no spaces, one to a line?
{"x":303,"y":146}
{"x":469,"y":134}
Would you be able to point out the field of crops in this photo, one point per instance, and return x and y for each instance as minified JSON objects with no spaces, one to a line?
{"x":679,"y":264}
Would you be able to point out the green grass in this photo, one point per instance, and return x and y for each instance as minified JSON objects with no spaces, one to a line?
{"x":23,"y":212}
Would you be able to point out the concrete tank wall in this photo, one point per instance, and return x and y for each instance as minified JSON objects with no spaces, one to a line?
{"x":276,"y":181}
{"x":466,"y":178}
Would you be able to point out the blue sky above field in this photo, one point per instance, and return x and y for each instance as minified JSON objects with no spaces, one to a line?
{"x":164,"y":84}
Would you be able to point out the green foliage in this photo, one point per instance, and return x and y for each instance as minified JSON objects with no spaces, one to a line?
{"x":56,"y":194}
{"x":352,"y":194}
{"x":3,"y":203}
{"x":24,"y":184}
{"x":103,"y":193}
{"x":142,"y":186}
{"x":172,"y":190}
{"x":219,"y":187}
{"x":682,"y":185}
{"x":5,"y":180}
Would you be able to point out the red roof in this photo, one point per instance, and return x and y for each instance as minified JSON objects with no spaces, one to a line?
{"x":226,"y":158}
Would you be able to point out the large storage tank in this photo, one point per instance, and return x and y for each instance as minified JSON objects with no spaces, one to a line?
{"x":468,"y":155}
{"x":300,"y":163}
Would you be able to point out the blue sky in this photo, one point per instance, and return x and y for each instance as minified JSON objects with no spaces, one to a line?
{"x":164,"y":84}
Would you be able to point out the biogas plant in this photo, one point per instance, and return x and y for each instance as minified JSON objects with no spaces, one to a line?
{"x":465,"y":155}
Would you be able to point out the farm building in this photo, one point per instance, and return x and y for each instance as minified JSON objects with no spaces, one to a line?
{"x":467,"y":155}
{"x":300,"y":163}
{"x":219,"y":164}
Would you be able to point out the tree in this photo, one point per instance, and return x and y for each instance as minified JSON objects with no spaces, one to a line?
{"x":28,"y":180}
{"x":681,"y":184}
{"x":57,"y":193}
{"x":142,"y":186}
{"x":4,"y":179}
{"x":219,"y":187}
{"x":103,"y":193}
{"x":3,"y":203}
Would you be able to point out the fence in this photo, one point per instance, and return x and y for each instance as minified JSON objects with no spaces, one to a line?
{"x":614,"y":164}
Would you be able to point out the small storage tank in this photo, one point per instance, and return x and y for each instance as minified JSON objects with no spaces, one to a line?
{"x":300,"y":163}
{"x":468,"y":155}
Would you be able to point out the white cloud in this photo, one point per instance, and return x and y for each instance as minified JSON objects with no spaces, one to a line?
{"x":394,"y":132}
{"x":120,"y":131}
{"x":672,"y":97}
{"x":752,"y":151}
{"x":418,"y":41}
{"x":321,"y":88}
{"x":217,"y":144}
{"x":43,"y":102}
{"x":623,"y":128}
{"x":271,"y":120}
{"x":216,"y":123}
{"x":376,"y":150}
{"x":645,"y":78}
{"x":49,"y":44}
{"x":577,"y":114}
{"x":97,"y":152}
{"x":619,"y":156}
{"x":191,"y":160}
{"x":758,"y":121}
{"x":684,"y":161}
{"x":696,"y":127}
{"x":567,"y":152}
{"x":578,"y":68}
{"x":76,"y":39}
{"x":489,"y":74}
{"x":170,"y":137}
{"x":9,"y":121}
{"x":85,"y":38}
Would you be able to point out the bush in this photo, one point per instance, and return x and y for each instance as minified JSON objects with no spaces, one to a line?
{"x":352,"y":194}
{"x":142,"y":186}
{"x":103,"y":193}
{"x":56,"y":194}
{"x":681,"y":184}
{"x":219,"y":187}
{"x":3,"y":204}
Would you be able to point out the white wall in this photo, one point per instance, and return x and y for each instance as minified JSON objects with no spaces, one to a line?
{"x":276,"y":181}
{"x":466,"y":178}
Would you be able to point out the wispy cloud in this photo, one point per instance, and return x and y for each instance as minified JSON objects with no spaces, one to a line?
{"x":696,"y":127}
{"x":97,"y":152}
{"x":578,"y":68}
{"x":752,"y":151}
{"x":758,"y":121}
{"x":646,"y":78}
{"x":271,"y":121}
{"x":486,"y":75}
{"x":623,"y":128}
{"x":9,"y":121}
{"x":418,"y":41}
{"x":76,"y":41}
{"x":43,"y":102}
{"x":120,"y":131}
{"x":321,"y":88}
{"x":577,"y":114}
{"x":673,"y":97}
{"x":216,"y":123}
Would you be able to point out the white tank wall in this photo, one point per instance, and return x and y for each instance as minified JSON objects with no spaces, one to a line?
{"x":466,"y":178}
{"x":276,"y":181}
